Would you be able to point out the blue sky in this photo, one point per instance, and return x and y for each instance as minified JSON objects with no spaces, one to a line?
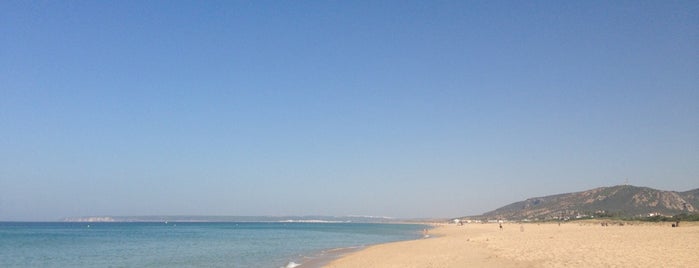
{"x":404,"y":109}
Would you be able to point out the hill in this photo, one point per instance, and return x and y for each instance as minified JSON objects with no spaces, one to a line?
{"x":624,"y":201}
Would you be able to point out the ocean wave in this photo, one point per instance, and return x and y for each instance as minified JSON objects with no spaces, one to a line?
{"x":291,"y":264}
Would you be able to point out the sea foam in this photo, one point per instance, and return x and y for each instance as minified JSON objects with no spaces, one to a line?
{"x":291,"y":265}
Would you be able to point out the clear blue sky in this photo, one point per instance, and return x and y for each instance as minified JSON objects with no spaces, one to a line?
{"x":405,"y":109}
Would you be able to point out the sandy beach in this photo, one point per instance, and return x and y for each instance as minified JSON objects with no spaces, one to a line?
{"x":575,"y":244}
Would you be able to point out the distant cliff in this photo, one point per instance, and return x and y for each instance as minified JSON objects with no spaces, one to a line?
{"x":619,"y":201}
{"x":90,"y":219}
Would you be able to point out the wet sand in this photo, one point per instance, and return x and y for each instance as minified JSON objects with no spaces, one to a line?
{"x":575,"y":244}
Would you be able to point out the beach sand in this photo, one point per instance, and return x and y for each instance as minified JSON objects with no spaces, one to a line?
{"x":574,"y":244}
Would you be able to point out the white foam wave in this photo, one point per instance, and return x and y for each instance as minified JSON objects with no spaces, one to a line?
{"x":291,"y":265}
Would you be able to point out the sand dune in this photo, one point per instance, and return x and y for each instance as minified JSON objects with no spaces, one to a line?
{"x":574,"y":244}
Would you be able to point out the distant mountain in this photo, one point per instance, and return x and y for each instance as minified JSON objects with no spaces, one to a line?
{"x":620,"y":201}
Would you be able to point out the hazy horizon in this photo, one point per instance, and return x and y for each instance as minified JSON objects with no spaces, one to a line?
{"x":171,"y":216}
{"x":401,"y":109}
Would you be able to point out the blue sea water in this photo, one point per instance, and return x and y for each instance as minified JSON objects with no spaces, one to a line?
{"x":210,"y":244}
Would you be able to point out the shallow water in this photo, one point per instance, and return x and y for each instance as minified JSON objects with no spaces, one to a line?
{"x":184,"y":244}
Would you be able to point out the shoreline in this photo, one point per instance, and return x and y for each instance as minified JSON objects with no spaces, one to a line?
{"x":327,"y":256}
{"x":324,"y":257}
{"x":571,"y":244}
{"x":433,"y":251}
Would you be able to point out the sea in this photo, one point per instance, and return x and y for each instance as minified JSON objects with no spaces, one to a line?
{"x":189,"y":244}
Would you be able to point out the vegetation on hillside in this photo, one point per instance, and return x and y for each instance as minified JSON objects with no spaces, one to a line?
{"x":618,"y":202}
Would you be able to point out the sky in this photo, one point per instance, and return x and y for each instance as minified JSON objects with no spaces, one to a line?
{"x":385,"y":108}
